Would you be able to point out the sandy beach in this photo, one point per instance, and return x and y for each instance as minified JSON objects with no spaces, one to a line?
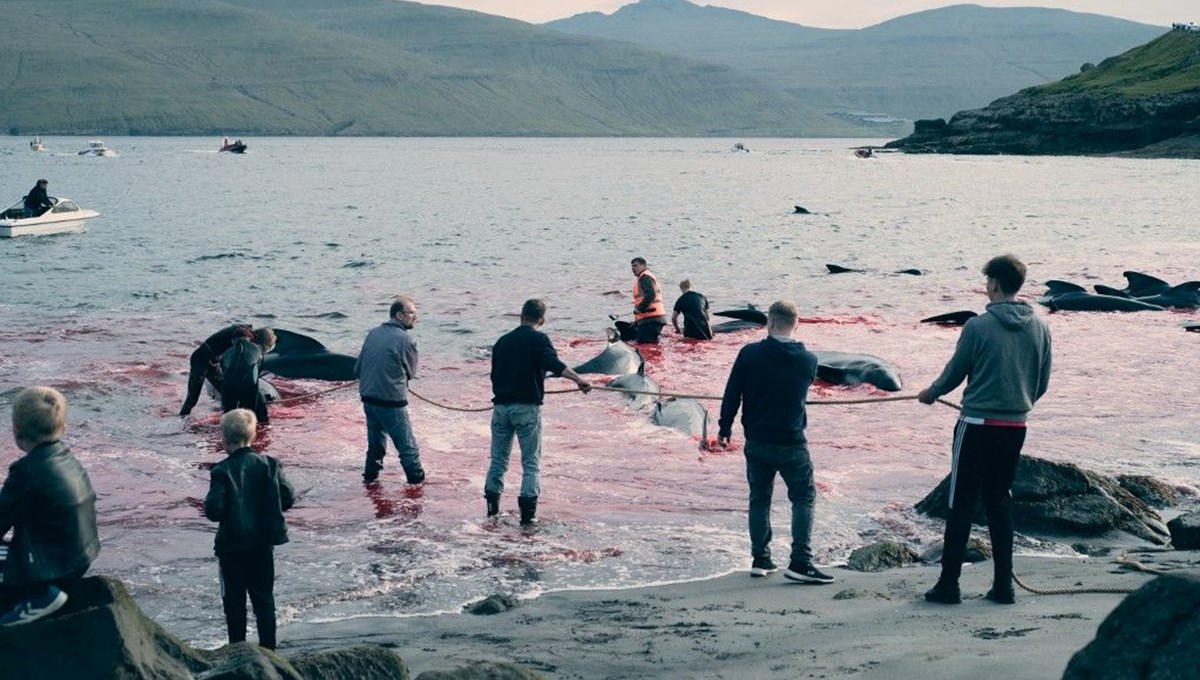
{"x":866,"y":625}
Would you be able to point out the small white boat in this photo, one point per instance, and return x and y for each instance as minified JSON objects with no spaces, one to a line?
{"x":97,"y":148}
{"x":64,"y":217}
{"x":35,"y":144}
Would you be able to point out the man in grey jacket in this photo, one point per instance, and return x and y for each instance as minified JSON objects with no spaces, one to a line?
{"x":1004,"y":355}
{"x":48,"y":502}
{"x":387,"y":362}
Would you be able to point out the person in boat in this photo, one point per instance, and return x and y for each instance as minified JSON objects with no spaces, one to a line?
{"x":694,"y":308}
{"x":37,"y":202}
{"x":649,"y":312}
{"x":240,"y":368}
{"x":205,"y":362}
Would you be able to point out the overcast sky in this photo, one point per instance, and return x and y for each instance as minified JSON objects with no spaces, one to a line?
{"x":840,"y":13}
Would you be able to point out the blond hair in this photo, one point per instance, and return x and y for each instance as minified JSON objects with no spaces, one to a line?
{"x":237,"y":428}
{"x":782,"y":315}
{"x":39,"y":415}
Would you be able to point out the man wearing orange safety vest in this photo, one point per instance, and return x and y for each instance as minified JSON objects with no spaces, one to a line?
{"x":649,"y":312}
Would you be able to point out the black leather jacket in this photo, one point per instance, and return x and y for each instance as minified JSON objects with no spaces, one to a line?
{"x":248,"y":494}
{"x":48,"y":502}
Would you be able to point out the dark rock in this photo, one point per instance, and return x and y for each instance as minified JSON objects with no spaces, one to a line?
{"x":1091,"y":549}
{"x":493,"y":604}
{"x":1149,"y":490}
{"x":1154,"y":634}
{"x":352,"y":663}
{"x":880,"y":556}
{"x":977,"y":551}
{"x":1060,"y":499}
{"x":484,"y":670}
{"x":108,"y":636}
{"x":248,"y":661}
{"x":1185,"y":531}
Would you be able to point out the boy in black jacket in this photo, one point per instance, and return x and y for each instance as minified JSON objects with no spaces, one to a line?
{"x":248,"y":495}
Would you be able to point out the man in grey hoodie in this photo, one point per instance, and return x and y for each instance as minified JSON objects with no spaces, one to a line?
{"x":1004,"y":355}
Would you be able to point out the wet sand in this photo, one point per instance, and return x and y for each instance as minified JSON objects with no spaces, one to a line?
{"x":866,"y":625}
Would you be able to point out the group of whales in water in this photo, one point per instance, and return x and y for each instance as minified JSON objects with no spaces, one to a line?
{"x":1142,"y":293}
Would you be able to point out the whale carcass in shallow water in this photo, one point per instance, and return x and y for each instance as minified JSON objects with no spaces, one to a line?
{"x":1069,"y":297}
{"x":951,"y":318}
{"x":848,"y":368}
{"x":617,"y":358}
{"x":686,"y":415}
{"x":750,"y":317}
{"x":644,"y":390}
{"x":299,"y":356}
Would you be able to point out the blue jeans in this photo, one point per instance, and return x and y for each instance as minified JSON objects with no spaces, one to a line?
{"x":390,"y":421}
{"x":524,"y":421}
{"x":794,"y":466}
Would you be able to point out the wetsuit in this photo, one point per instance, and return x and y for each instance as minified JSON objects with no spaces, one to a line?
{"x":694,"y":308}
{"x":240,"y":367}
{"x":204,"y":362}
{"x":37,"y":202}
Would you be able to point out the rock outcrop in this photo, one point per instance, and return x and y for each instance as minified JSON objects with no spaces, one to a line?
{"x":1060,"y":499}
{"x":1151,"y":635}
{"x":880,"y":556}
{"x":1145,"y":102}
{"x":1185,"y":531}
{"x":101,"y":633}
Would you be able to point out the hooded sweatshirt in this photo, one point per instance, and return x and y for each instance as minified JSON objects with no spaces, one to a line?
{"x":1004,"y":354}
{"x":770,"y":380}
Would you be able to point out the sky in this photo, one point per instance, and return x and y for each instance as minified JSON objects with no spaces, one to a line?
{"x":840,"y":13}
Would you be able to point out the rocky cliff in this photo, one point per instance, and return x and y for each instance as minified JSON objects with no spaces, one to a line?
{"x":1145,"y":102}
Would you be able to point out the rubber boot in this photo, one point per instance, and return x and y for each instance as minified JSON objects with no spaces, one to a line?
{"x":493,"y":504}
{"x":528,"y":505}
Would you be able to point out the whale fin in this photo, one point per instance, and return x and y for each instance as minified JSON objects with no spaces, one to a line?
{"x":951,"y":318}
{"x":839,"y":269}
{"x":290,"y":342}
{"x":1109,"y":290}
{"x":750,"y":313}
{"x":1056,"y":287}
{"x":1143,"y":284}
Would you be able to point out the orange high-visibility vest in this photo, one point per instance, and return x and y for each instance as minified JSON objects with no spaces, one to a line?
{"x":656,"y":308}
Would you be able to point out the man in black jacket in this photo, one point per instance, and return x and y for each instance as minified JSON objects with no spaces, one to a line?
{"x":48,"y":502}
{"x":36,"y":201}
{"x":248,"y":495}
{"x":770,"y":380}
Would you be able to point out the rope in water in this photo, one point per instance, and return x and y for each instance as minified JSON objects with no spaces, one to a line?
{"x":824,"y":402}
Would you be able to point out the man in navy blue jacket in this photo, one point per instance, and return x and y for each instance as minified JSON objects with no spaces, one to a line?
{"x":770,"y":381}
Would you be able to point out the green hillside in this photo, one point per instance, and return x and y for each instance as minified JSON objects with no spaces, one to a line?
{"x":1168,"y":65}
{"x":356,"y":67}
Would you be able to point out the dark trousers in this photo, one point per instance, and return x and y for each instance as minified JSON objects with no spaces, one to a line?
{"x":246,"y":397}
{"x":793,"y":464}
{"x":11,"y":595}
{"x":984,"y":466}
{"x":648,"y":331}
{"x":249,"y":572}
{"x":200,"y":367}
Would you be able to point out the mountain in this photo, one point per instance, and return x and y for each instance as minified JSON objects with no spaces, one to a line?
{"x":357,"y":67}
{"x":1145,"y":102}
{"x":917,"y":66}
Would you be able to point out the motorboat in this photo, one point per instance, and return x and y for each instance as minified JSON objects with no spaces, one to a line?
{"x":738,"y":146}
{"x":64,"y":216}
{"x":97,"y":148}
{"x":35,"y":144}
{"x":864,"y":152}
{"x":236,"y":146}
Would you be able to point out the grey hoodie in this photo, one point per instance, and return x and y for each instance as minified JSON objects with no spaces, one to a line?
{"x":1004,"y":354}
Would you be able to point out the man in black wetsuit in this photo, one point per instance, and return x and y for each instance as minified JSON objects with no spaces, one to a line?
{"x":694,"y":308}
{"x":205,"y":362}
{"x":240,"y":367}
{"x":37,"y":202}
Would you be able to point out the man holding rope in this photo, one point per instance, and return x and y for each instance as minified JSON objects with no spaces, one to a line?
{"x":1004,"y":355}
{"x":521,"y":359}
{"x":770,"y":381}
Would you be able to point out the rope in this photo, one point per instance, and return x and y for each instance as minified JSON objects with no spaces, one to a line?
{"x":1122,"y":559}
{"x":448,"y":407}
{"x":317,"y":394}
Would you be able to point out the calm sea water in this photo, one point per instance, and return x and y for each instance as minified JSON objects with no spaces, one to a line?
{"x":316,"y":235}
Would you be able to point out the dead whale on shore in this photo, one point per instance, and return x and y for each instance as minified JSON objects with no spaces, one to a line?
{"x":617,"y":358}
{"x":1137,"y":285}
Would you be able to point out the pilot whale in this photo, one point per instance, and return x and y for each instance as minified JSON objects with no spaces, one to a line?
{"x":849,"y":368}
{"x":686,"y":415}
{"x":617,"y":358}
{"x":299,"y":356}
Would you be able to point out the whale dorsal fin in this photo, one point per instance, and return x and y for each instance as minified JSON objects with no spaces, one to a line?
{"x":1144,"y":283}
{"x":1056,"y":287}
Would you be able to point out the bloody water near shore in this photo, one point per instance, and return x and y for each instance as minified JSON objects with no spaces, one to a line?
{"x":316,"y":235}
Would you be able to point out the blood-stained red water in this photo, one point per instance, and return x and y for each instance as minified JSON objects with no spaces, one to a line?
{"x":471,"y":229}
